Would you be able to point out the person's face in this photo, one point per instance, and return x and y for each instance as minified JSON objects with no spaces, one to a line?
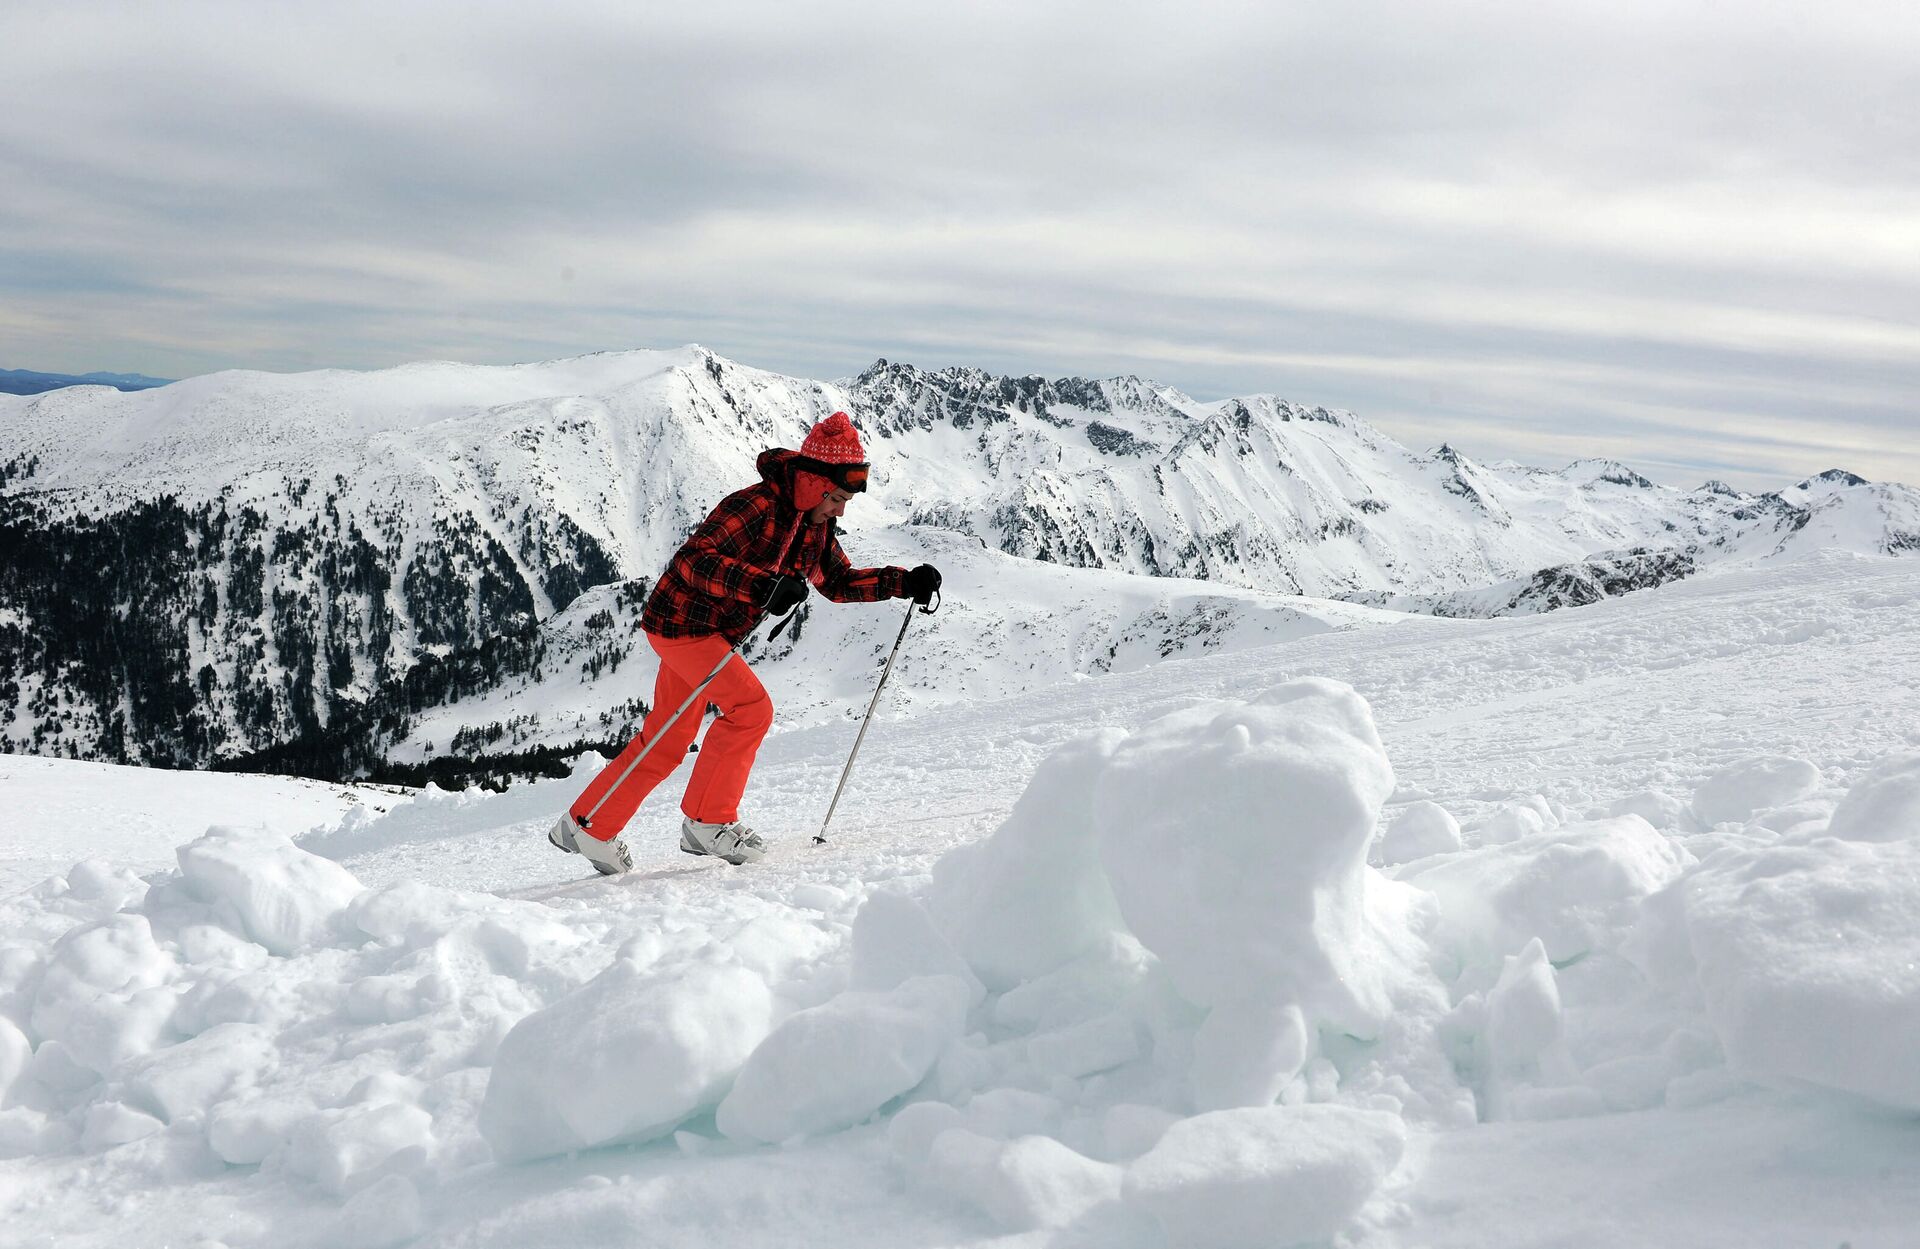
{"x":833,"y":505}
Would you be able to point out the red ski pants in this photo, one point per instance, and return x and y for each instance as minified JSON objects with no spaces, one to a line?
{"x":725,"y":759}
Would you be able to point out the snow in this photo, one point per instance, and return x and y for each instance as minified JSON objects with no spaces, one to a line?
{"x":59,"y":810}
{"x":265,"y":888}
{"x":832,"y":1066}
{"x":1883,"y":806}
{"x":1247,"y":1052}
{"x":1737,"y":794}
{"x":1808,"y":962}
{"x":1008,"y":1001}
{"x":1279,"y":1175}
{"x":1570,"y":887}
{"x":894,"y":941}
{"x":1244,"y":828}
{"x":1663,"y":811}
{"x":1022,"y":1184}
{"x":626,"y":1059}
{"x":1422,"y":828}
{"x":1031,"y":898}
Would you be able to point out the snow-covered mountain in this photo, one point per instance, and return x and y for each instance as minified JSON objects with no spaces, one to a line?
{"x":311,"y":563}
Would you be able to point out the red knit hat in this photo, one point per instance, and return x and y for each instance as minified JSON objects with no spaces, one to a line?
{"x":834,"y":441}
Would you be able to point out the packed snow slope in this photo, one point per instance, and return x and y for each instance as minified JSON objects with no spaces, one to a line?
{"x":248,"y":561}
{"x":134,"y":817}
{"x":1595,"y":928}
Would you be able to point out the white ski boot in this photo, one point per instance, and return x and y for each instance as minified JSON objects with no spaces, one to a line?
{"x":609,"y":858}
{"x":735,"y":842}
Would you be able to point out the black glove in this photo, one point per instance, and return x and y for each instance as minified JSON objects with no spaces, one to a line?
{"x":788,"y":593}
{"x":923,"y":583}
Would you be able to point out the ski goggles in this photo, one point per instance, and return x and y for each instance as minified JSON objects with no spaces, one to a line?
{"x":851,"y":478}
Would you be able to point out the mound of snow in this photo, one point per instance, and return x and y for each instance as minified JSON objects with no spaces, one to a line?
{"x":1527,"y":1070}
{"x":1235,"y":839}
{"x":1246,"y":1052}
{"x":1227,"y":839}
{"x":1513,"y":822}
{"x":628,"y":1057}
{"x":198,"y":1074}
{"x":1808,"y":959}
{"x":1251,"y":1178}
{"x":894,"y":941}
{"x":833,"y":1065}
{"x":1736,"y":794}
{"x":1574,"y":887}
{"x":1882,"y":806}
{"x":102,"y":997}
{"x":15,"y":1051}
{"x":1663,"y":811}
{"x":1031,"y":1182}
{"x":1422,"y":829}
{"x":1031,"y":898}
{"x":267,"y":888}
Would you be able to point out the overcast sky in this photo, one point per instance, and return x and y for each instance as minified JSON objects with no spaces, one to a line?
{"x":1683,"y":235}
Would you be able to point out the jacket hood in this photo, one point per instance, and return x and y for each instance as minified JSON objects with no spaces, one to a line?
{"x":776,"y":466}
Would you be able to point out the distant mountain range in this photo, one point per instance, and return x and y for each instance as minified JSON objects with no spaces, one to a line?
{"x":28,"y":382}
{"x":334,"y":571}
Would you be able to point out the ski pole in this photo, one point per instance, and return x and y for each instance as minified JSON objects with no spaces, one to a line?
{"x":820,"y":838}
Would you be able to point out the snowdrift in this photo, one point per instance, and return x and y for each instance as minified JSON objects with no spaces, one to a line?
{"x":1168,"y":992}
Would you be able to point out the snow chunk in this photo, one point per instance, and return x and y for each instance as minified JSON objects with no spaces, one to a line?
{"x":1884,"y":805}
{"x":1524,"y":1022}
{"x":1245,"y":1053}
{"x":1280,"y":1175}
{"x":102,"y":992}
{"x":1738,"y":793}
{"x":1572,"y":887}
{"x":112,"y":888}
{"x":1809,"y":962}
{"x":344,"y":1150}
{"x":1529,"y":1073}
{"x":629,"y":1056}
{"x":1510,"y":824}
{"x":911,"y":1134}
{"x":1245,"y":828}
{"x":1084,"y":1048}
{"x":833,"y":1065}
{"x":264,"y":886}
{"x":1006,"y":1113}
{"x":247,"y":1133}
{"x":1028,"y":1183}
{"x":383,"y":1215}
{"x":1031,"y":897}
{"x":190,"y":1078}
{"x":1422,"y":829}
{"x":1663,"y":811}
{"x":1130,"y":1129}
{"x":15,"y":1050}
{"x":110,"y":1123}
{"x":894,"y":941}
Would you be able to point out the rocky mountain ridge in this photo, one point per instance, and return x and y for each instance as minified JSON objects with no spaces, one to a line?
{"x":310,"y":563}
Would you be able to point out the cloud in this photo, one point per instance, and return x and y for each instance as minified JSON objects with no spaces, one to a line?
{"x":1683,"y":235}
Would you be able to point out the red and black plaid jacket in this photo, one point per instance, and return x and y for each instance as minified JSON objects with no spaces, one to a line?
{"x":717,"y":580}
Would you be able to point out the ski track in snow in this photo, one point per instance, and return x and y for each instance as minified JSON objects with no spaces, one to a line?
{"x":1816,"y":660}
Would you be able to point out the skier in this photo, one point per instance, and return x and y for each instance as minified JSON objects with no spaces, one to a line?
{"x":751,"y":559}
